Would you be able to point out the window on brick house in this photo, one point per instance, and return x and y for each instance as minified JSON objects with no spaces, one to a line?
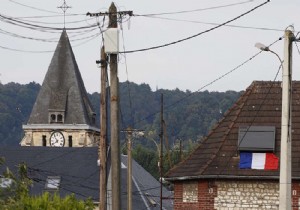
{"x":190,"y":192}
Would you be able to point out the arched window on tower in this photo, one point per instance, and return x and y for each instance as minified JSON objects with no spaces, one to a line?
{"x":52,"y":118}
{"x":59,"y":118}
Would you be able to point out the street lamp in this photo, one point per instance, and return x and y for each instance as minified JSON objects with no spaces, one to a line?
{"x":285,"y":179}
{"x":263,"y":47}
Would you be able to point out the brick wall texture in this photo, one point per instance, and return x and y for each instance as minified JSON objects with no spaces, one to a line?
{"x":235,"y":195}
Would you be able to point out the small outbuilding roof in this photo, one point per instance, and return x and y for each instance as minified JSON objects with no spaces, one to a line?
{"x":217,"y":156}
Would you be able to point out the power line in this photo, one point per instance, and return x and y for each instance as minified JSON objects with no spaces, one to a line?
{"x":198,"y":34}
{"x":87,"y":39}
{"x":17,"y":22}
{"x":26,"y":51}
{"x":53,"y":23}
{"x":297,"y":48}
{"x":197,"y":10}
{"x":210,"y":83}
{"x":211,"y":23}
{"x":254,"y":118}
{"x":47,"y":16}
{"x":61,"y":155}
{"x":128,"y":84}
{"x":35,"y":8}
{"x":49,"y":51}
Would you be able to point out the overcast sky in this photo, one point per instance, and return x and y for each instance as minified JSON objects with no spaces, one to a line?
{"x":188,"y":65}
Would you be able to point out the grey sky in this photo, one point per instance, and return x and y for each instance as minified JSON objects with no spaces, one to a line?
{"x":186,"y":65}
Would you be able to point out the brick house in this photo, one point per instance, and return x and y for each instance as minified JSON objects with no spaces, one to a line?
{"x":211,"y":177}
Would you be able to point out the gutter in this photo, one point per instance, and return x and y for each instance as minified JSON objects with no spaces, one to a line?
{"x":183,"y":178}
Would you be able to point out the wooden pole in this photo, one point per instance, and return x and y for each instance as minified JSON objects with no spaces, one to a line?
{"x":103,"y":129}
{"x":161,"y":148}
{"x":129,"y":169}
{"x":114,"y":113}
{"x":180,"y":150}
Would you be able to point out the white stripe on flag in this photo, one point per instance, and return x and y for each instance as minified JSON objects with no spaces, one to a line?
{"x":258,"y":160}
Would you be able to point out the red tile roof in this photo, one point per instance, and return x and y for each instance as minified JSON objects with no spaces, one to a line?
{"x":218,"y":156}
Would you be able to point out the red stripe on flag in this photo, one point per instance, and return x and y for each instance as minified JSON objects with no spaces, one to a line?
{"x":271,"y":162}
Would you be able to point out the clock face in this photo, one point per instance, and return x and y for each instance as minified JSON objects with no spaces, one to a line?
{"x":57,"y":139}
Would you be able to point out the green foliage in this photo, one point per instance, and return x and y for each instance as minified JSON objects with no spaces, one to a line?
{"x":16,"y":102}
{"x":148,"y":158}
{"x":188,"y":116}
{"x":49,"y":201}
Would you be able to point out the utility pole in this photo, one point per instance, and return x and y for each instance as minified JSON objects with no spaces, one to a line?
{"x":114,"y":117}
{"x":103,"y":129}
{"x":285,"y":183}
{"x":129,"y":169}
{"x":180,"y":150}
{"x":114,"y":110}
{"x":130,"y":133}
{"x":161,"y":146}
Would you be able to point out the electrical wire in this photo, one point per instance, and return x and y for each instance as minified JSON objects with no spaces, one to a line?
{"x":17,"y":22}
{"x":128,"y":84}
{"x":25,"y":51}
{"x":61,"y":155}
{"x":87,"y":39}
{"x":197,"y":10}
{"x":198,"y":34}
{"x":253,"y":119}
{"x":54,"y":23}
{"x":297,"y":48}
{"x":35,"y":8}
{"x":48,"y":16}
{"x":211,"y":23}
{"x":208,"y":84}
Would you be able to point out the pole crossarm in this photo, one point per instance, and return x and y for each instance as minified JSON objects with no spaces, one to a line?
{"x":130,"y":13}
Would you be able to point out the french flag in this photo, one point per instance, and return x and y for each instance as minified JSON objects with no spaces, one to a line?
{"x":265,"y":161}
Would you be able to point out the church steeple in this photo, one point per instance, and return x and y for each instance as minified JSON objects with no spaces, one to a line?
{"x":62,"y":103}
{"x":63,"y":90}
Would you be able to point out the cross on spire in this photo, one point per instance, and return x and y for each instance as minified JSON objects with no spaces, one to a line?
{"x":64,"y":7}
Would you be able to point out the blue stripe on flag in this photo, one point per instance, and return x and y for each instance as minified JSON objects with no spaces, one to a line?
{"x":245,"y":159}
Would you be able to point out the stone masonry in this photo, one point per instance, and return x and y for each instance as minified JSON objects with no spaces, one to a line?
{"x":234,"y":195}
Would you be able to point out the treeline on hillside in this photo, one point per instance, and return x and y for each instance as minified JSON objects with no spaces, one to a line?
{"x":188,"y":116}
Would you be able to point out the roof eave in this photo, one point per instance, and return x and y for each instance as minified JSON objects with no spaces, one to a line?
{"x":184,"y":178}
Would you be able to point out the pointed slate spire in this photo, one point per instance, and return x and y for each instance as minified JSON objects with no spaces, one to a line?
{"x":63,"y":91}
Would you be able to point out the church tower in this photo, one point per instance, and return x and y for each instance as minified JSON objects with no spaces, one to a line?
{"x":62,"y":115}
